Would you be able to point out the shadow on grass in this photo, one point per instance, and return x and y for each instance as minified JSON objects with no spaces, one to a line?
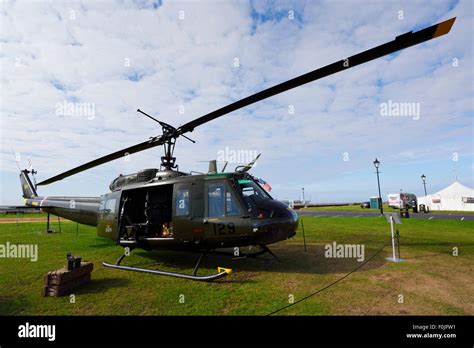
{"x":13,"y":305}
{"x":101,"y":246}
{"x":100,"y":285}
{"x":291,"y":259}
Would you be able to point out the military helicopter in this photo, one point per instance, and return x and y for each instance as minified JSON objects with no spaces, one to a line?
{"x":168,"y":209}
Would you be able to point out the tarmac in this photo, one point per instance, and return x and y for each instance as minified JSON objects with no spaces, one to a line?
{"x":363,"y":214}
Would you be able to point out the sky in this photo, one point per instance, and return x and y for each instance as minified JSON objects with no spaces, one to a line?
{"x":73,"y":74}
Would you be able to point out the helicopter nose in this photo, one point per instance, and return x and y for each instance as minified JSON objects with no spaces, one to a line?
{"x":268,"y":231}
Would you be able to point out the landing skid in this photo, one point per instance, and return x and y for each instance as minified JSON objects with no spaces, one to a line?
{"x":222,"y":272}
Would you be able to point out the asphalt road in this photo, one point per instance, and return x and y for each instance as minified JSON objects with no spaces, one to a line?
{"x":362,"y":214}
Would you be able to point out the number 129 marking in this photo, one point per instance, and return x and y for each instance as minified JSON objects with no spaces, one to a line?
{"x":223,"y":229}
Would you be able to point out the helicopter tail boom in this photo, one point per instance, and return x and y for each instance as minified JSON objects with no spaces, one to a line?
{"x":79,"y":209}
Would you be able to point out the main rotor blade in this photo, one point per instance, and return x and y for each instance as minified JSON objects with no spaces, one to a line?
{"x":400,"y":42}
{"x":113,"y":156}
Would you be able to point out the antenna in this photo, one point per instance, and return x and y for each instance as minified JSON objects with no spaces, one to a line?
{"x":33,"y":172}
{"x":246,"y":168}
{"x":17,"y":158}
{"x":225,"y":165}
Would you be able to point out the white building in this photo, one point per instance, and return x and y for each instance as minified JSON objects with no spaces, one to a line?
{"x":454,"y":197}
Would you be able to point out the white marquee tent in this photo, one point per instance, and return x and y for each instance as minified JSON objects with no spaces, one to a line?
{"x":454,"y":197}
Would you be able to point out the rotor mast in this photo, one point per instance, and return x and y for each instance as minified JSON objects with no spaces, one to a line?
{"x":168,"y":161}
{"x":169,"y":136}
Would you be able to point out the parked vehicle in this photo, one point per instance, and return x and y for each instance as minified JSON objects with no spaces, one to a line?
{"x":402,"y":200}
{"x":365,"y":205}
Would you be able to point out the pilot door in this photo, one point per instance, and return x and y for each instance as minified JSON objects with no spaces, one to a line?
{"x":224,"y":215}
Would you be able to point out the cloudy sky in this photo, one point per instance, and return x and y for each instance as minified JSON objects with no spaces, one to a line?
{"x":180,"y":60}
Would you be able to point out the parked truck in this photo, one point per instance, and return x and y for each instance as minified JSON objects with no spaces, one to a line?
{"x":402,"y":200}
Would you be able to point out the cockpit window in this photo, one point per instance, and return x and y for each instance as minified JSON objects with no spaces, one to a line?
{"x":231,"y":206}
{"x":221,"y":202}
{"x":251,"y":188}
{"x":251,"y":193}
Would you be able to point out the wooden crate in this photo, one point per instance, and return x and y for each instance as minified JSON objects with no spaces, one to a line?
{"x":61,"y":282}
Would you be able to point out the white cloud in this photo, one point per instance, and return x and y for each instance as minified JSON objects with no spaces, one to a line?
{"x":80,"y":51}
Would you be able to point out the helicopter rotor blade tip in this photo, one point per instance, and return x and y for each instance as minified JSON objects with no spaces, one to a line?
{"x":444,"y":27}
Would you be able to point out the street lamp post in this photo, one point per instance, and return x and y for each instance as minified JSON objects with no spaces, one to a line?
{"x":303,"y":195}
{"x":376,"y":165}
{"x":423,"y":177}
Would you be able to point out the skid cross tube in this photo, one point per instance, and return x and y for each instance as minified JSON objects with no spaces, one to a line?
{"x":196,"y":267}
{"x":267,"y":249}
{"x":263,"y":249}
{"x":220,"y":274}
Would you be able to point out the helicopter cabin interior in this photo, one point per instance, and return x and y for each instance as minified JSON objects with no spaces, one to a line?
{"x":147,"y":212}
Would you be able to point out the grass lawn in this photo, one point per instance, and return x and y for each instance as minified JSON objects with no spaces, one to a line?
{"x":431,"y":281}
{"x":27,"y":215}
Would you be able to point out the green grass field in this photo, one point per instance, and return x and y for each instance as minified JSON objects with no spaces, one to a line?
{"x":431,"y":281}
{"x":27,"y":215}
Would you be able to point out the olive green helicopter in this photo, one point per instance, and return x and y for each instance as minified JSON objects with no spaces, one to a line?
{"x":203,"y":212}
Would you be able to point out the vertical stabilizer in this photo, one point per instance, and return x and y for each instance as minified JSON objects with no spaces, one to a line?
{"x":29,"y":190}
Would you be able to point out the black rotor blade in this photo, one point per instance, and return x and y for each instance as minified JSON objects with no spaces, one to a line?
{"x":401,"y":42}
{"x":113,"y":156}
